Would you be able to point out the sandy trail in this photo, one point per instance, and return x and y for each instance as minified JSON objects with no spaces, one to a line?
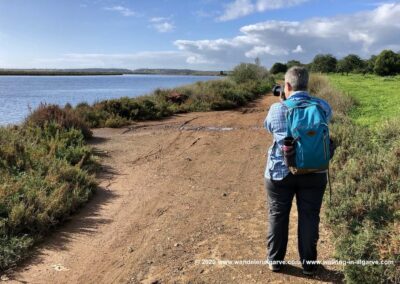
{"x":174,"y":193}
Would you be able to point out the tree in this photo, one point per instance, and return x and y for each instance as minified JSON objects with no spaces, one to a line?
{"x":292,"y":63}
{"x":257,"y":61}
{"x":278,"y":68}
{"x":324,"y":63}
{"x":247,"y":72}
{"x":350,"y":63}
{"x":369,"y":64}
{"x":387,"y":63}
{"x":343,"y":67}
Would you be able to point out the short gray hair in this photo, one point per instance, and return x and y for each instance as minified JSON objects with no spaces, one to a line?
{"x":297,"y":77}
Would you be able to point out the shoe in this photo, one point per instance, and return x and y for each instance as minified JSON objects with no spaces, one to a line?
{"x":310,"y":271}
{"x":274,"y":267}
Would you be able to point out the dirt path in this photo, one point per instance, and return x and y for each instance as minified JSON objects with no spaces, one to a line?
{"x":174,"y":193}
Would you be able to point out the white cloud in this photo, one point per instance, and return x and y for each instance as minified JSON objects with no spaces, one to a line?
{"x":298,"y":49}
{"x":264,"y":5}
{"x":122,"y":10}
{"x":362,"y":33}
{"x":258,"y":51}
{"x":164,"y":27}
{"x":237,"y":9}
{"x":162,"y":24}
{"x":241,"y":8}
{"x":159,"y":19}
{"x":145,"y":59}
{"x":198,"y":59}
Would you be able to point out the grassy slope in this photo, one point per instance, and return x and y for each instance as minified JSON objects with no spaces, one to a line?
{"x":378,"y":98}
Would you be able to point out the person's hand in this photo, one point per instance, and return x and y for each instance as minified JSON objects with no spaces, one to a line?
{"x":282,"y":97}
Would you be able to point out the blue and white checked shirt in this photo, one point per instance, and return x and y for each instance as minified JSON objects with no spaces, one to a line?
{"x":275,"y":123}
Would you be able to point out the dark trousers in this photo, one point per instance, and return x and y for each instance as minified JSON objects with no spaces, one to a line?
{"x":309,"y":190}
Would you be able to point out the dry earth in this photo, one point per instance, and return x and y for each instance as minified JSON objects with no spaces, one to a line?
{"x":176,"y":197}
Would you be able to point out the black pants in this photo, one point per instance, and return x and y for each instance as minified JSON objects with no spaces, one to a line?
{"x":309,"y":190}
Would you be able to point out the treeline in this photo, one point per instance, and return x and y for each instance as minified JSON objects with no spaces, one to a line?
{"x":387,"y":63}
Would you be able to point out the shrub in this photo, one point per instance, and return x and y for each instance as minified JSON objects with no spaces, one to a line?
{"x":248,"y":72}
{"x":45,"y":175}
{"x":66,"y":118}
{"x":115,"y":122}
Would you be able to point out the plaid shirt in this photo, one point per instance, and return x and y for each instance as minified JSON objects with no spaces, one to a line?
{"x":275,"y":123}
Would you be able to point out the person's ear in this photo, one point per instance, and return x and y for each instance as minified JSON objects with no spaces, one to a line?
{"x":289,"y":87}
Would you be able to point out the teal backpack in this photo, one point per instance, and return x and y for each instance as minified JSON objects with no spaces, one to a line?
{"x":308,"y":125}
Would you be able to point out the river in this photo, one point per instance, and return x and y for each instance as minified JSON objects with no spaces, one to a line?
{"x":20,"y":94}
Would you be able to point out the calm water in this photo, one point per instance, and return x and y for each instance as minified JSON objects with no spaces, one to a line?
{"x":18,"y":94}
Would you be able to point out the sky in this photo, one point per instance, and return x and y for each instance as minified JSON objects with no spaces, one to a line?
{"x":201,"y":35}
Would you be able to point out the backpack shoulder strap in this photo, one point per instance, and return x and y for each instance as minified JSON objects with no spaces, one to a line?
{"x":316,"y":101}
{"x":289,"y":104}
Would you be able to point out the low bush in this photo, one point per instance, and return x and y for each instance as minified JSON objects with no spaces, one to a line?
{"x":115,"y":122}
{"x":45,"y":175}
{"x":246,"y":72}
{"x":64,"y":117}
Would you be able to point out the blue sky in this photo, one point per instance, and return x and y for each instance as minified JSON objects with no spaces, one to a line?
{"x":203,"y":34}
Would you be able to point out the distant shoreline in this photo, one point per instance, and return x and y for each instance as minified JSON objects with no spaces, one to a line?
{"x":58,"y":74}
{"x":107,"y":72}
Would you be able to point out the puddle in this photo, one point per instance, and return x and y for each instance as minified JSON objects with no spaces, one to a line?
{"x":220,"y":129}
{"x":202,"y":128}
{"x":207,"y":128}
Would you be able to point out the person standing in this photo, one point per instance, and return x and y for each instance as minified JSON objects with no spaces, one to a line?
{"x":282,"y":185}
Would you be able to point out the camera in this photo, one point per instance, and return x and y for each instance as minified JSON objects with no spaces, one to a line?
{"x":278,"y":91}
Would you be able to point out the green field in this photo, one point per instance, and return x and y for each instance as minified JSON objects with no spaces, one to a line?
{"x":378,"y":98}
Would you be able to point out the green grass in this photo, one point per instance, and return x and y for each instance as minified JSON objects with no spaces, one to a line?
{"x":378,"y":98}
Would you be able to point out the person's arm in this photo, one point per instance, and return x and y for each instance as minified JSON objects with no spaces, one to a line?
{"x":268,"y":122}
{"x":328,"y":111}
{"x":275,"y":121}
